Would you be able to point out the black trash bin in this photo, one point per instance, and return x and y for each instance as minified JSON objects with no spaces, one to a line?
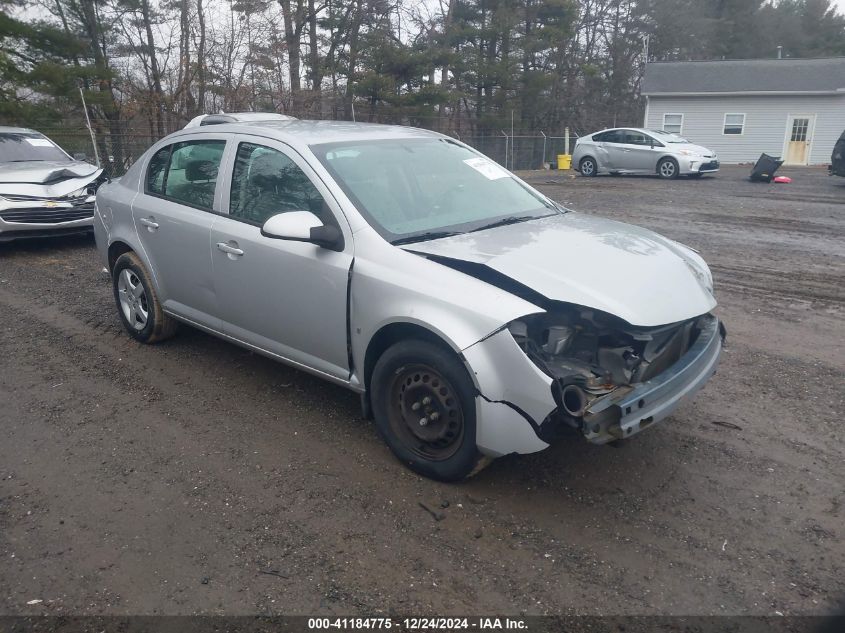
{"x":765,"y":168}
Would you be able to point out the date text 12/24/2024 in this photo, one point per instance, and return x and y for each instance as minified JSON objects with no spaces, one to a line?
{"x":418,"y":624}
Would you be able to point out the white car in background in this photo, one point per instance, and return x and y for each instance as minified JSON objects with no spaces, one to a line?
{"x":43,"y":190}
{"x":641,"y":151}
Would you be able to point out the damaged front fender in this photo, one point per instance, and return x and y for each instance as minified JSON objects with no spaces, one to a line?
{"x":514,"y":395}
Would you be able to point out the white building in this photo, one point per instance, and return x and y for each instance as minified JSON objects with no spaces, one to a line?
{"x":793,"y":108}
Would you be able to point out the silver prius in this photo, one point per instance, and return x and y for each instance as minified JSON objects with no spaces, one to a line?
{"x":639,"y":151}
{"x":474,"y":315}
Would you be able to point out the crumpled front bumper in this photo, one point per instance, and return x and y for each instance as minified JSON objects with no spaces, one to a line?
{"x":621,"y":414}
{"x":515,"y":400}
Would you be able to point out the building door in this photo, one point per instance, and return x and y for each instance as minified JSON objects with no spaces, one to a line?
{"x":799,"y":132}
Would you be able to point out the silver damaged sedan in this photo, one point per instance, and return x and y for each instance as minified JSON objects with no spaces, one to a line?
{"x":474,"y":315}
{"x":43,"y":190}
{"x":639,"y":151}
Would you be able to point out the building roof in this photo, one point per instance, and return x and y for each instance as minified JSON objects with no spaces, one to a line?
{"x":749,"y":76}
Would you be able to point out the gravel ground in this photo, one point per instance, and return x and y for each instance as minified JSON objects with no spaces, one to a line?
{"x":196,"y":477}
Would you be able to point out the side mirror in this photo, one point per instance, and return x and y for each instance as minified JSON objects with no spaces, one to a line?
{"x":80,"y":156}
{"x":303,"y":226}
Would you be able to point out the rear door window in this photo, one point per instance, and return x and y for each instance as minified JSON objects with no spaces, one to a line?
{"x":157,"y":170}
{"x":186,"y":172}
{"x":614,"y":136}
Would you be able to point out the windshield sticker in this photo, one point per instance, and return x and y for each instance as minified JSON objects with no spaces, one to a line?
{"x":39,"y":142}
{"x":487,"y":168}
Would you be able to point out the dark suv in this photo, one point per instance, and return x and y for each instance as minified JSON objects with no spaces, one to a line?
{"x":837,"y":159}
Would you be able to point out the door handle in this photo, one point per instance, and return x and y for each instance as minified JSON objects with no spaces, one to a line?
{"x":230,"y":250}
{"x":149,"y":223}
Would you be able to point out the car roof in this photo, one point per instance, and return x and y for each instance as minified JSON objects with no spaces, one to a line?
{"x":4,"y":129}
{"x":636,"y":129}
{"x":300,"y":132}
{"x":631,"y":129}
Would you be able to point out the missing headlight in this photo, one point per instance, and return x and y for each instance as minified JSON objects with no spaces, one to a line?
{"x":589,"y":353}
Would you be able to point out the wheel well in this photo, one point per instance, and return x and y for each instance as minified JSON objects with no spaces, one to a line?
{"x":662,"y":158}
{"x":116,"y":250}
{"x":393,"y":333}
{"x":583,"y":158}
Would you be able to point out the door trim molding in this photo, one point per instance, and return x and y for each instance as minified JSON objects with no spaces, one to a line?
{"x":349,"y":384}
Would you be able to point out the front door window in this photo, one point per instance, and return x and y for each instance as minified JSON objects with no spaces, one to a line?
{"x":266,"y":182}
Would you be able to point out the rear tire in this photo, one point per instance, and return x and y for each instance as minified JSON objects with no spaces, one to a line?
{"x":588,"y":166}
{"x":424,"y":407}
{"x":668,"y":169}
{"x":137,"y":302}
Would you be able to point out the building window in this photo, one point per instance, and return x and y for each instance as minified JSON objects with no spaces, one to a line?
{"x":673,"y":123}
{"x":734,"y":124}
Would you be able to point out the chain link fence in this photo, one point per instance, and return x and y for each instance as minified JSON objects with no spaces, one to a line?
{"x":535,"y":151}
{"x":116,"y":151}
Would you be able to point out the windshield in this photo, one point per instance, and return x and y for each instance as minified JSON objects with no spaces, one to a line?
{"x":669,"y":137}
{"x":16,"y":147}
{"x":416,"y":189}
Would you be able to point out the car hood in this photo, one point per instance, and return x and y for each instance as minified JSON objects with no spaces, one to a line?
{"x":45,"y":178}
{"x":627,"y":271}
{"x":698,"y":149}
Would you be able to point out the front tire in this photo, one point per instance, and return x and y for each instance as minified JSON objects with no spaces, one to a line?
{"x":424,"y":408}
{"x":137,"y":302}
{"x":668,"y":169}
{"x":588,"y":166}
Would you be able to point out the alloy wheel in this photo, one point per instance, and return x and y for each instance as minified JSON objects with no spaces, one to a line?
{"x":133,"y":299}
{"x":667,"y":169}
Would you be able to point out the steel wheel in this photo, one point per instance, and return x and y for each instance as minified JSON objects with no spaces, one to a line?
{"x":133,"y":299}
{"x":424,"y":407}
{"x":425,"y":412}
{"x":667,"y":168}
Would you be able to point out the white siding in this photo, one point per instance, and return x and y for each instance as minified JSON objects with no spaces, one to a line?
{"x":765,"y":123}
